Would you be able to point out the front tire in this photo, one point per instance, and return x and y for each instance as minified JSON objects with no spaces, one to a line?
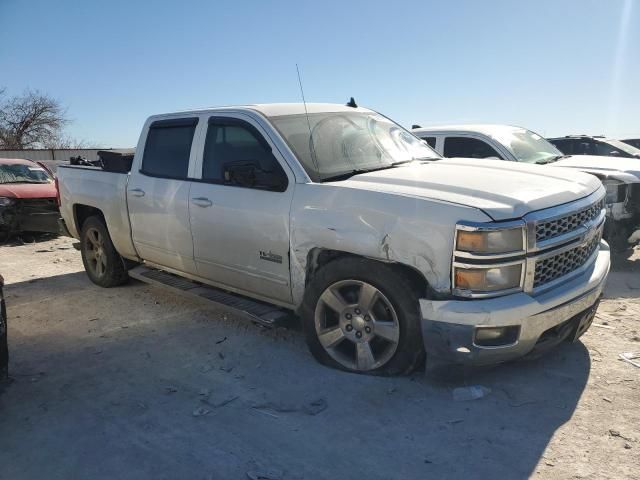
{"x":103,"y":264}
{"x":363,"y":316}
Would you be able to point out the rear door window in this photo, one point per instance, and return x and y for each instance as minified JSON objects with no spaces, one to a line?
{"x":468,"y":148}
{"x":168,"y":147}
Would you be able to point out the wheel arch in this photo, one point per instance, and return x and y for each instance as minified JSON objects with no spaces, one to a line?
{"x":318,"y":257}
{"x":82,"y":212}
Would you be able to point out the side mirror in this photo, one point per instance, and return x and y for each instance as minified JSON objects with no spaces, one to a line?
{"x":241,"y":174}
{"x":249,"y":175}
{"x":614,"y":153}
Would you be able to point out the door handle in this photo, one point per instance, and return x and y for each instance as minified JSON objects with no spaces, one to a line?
{"x":203,"y":202}
{"x":137,"y":192}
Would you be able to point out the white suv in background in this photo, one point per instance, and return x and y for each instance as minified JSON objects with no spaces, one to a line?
{"x":620,"y":176}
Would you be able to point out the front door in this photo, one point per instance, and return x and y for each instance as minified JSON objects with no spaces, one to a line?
{"x":240,"y":210}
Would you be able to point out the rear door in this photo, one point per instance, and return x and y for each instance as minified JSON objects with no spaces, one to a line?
{"x":240,"y":209}
{"x":158,"y":194}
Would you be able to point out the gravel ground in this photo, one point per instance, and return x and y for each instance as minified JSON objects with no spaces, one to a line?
{"x":136,"y":383}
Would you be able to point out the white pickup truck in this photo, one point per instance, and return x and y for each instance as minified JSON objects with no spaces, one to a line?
{"x":620,"y":176}
{"x":384,"y":249}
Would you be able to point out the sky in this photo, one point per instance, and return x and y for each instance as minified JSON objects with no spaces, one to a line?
{"x":557,"y":67}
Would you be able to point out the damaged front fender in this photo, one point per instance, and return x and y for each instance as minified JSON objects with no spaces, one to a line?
{"x":414,"y":232}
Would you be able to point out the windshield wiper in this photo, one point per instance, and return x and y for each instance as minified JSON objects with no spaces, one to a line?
{"x":551,"y":160}
{"x":357,"y":171}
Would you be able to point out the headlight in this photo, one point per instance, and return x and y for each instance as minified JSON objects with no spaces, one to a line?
{"x":616,"y":191}
{"x":489,"y":259}
{"x":491,"y":241}
{"x":5,"y":201}
{"x":490,"y":279}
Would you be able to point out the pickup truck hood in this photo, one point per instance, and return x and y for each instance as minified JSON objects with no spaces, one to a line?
{"x":503,"y":190}
{"x":601,"y":165}
{"x":28,"y":190}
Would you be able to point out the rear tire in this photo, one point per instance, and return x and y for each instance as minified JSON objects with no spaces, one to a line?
{"x":363,"y":316}
{"x":103,"y":264}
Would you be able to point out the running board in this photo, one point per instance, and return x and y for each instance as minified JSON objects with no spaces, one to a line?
{"x":259,"y":312}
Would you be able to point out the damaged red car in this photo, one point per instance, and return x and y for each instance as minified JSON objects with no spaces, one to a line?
{"x":28,"y":198}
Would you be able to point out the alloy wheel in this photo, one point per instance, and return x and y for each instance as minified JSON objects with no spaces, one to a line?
{"x":357,"y":325}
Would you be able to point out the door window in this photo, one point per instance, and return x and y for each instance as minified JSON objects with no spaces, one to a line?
{"x":606,"y":149}
{"x":431,"y":141}
{"x":468,"y":148}
{"x":236,"y":154}
{"x":565,"y":146}
{"x":166,"y":153}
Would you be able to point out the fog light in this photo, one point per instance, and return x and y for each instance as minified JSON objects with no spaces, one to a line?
{"x":496,"y":336}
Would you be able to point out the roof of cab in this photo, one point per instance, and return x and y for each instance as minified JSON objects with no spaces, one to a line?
{"x":485,"y":128}
{"x":279,"y":109}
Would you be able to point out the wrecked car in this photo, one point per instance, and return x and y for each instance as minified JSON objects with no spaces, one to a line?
{"x":386,"y":251}
{"x":620,"y":176}
{"x":28,"y":198}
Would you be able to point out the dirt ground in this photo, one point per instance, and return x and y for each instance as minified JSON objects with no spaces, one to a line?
{"x":136,"y":383}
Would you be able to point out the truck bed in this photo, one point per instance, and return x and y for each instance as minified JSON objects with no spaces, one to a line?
{"x":83,"y":188}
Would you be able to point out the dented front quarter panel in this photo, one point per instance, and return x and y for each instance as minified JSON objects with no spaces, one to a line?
{"x":411,"y":231}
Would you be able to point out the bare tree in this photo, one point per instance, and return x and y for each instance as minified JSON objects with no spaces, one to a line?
{"x":67,"y":142}
{"x":31,"y":120}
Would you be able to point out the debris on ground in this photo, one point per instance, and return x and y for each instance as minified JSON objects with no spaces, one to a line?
{"x":201,"y":411}
{"x":616,"y":433}
{"x":311,"y":408}
{"x":603,"y":325}
{"x":473,"y":392}
{"x":220,"y":402}
{"x":315,"y":407}
{"x":220,"y":341}
{"x":629,"y":357}
{"x":266,"y":475}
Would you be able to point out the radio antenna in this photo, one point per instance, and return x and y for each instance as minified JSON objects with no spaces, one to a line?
{"x":312,"y":149}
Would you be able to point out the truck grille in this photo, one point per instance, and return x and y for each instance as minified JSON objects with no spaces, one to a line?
{"x":568,"y":223}
{"x":552,"y":268}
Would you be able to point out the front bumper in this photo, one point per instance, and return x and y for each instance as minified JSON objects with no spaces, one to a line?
{"x":449,"y":326}
{"x":30,"y":215}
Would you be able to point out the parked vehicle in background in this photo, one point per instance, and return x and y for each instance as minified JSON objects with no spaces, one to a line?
{"x":634,"y":142}
{"x":4,"y":347}
{"x":620,"y":176}
{"x":384,"y":249}
{"x":594,"y":145}
{"x":28,"y":198}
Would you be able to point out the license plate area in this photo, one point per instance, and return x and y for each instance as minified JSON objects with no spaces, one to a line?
{"x":584,"y":321}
